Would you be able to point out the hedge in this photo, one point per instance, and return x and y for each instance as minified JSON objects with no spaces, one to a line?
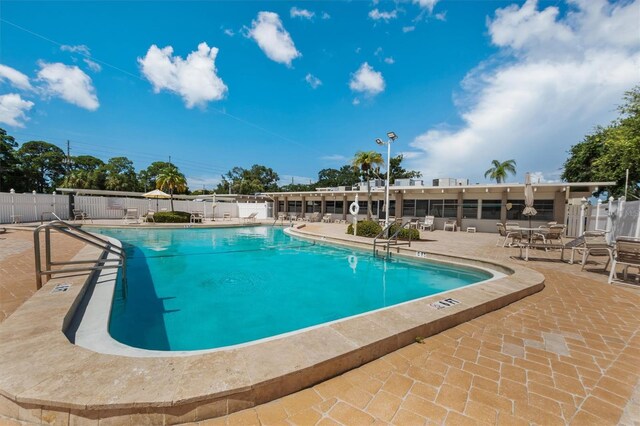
{"x":172,"y":217}
{"x":366,"y":228}
{"x":405,"y":233}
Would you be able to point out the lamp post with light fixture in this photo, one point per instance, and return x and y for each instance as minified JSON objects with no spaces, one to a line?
{"x":392,"y":137}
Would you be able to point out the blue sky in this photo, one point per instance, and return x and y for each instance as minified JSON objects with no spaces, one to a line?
{"x":301,"y":86}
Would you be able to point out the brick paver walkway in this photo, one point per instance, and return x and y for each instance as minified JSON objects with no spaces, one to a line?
{"x":567,"y":355}
{"x":17,"y":279}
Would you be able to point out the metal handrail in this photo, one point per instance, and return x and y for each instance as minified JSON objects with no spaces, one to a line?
{"x":392,"y":239}
{"x":75,"y":232}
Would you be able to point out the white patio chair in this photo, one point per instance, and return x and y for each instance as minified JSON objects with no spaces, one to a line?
{"x":450,"y":224}
{"x":595,"y":244}
{"x":131,"y":216}
{"x":429,"y":223}
{"x":627,"y":253}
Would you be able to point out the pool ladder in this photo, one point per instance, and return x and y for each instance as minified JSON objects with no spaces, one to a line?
{"x":392,"y":240}
{"x":74,"y":231}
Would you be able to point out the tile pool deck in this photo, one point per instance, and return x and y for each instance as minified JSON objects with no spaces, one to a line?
{"x":568,"y":354}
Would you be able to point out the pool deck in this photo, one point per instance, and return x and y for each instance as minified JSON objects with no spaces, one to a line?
{"x":568,"y":354}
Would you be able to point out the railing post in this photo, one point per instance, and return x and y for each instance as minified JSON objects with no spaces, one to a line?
{"x":47,"y":250}
{"x":581,"y":224}
{"x":36,"y":253}
{"x":598,"y":204}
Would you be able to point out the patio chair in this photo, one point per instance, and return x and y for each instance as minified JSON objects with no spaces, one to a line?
{"x":250,"y":218}
{"x":148,"y":217}
{"x":595,"y":244}
{"x":549,"y":233}
{"x":226,"y":216}
{"x":505,"y":234}
{"x":327,"y":218}
{"x":451,"y":224}
{"x":627,"y":253}
{"x":131,"y":216}
{"x":428,"y":223}
{"x":79,"y":214}
{"x":414,"y":223}
{"x":196,"y":217}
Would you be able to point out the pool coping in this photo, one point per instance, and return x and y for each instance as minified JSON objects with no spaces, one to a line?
{"x":44,"y":374}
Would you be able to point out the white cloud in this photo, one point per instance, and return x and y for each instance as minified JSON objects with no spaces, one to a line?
{"x":15,"y":77}
{"x":367,"y":80}
{"x":13,"y":109}
{"x":301,"y":13}
{"x":69,"y":83}
{"x":426,"y":4}
{"x":562,"y":76}
{"x":229,"y":32}
{"x":93,"y":66}
{"x":378,"y":51}
{"x":325,"y":15}
{"x":378,"y":15}
{"x":442,"y":16}
{"x":81,"y":48}
{"x":313,"y":81}
{"x":389,"y":60}
{"x":194,"y":78}
{"x":273,"y":39}
{"x":408,"y":29}
{"x":355,"y":101}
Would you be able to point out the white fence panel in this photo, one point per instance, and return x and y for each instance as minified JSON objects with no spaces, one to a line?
{"x":32,"y":207}
{"x":245,"y":209}
{"x":619,"y":218}
{"x":222,"y":208}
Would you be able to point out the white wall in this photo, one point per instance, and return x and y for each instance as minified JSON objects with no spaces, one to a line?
{"x":31,"y":207}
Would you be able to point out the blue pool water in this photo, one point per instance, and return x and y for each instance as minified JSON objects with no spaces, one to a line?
{"x":192,"y":289}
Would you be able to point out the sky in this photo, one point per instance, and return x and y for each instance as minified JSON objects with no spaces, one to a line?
{"x":300,"y":86}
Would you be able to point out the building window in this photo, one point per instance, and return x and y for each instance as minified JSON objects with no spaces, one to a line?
{"x":436,"y":208}
{"x":294,"y":206}
{"x":408,"y":207}
{"x":281,"y":206}
{"x":469,"y":209}
{"x":313,"y":207}
{"x":491,"y":209}
{"x":422,"y":208}
{"x":544,"y":210}
{"x":334,"y":207}
{"x":450,"y":208}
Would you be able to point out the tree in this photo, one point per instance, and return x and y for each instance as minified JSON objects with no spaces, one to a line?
{"x":120,"y":175}
{"x":249,"y":181}
{"x":365,"y":161}
{"x":396,"y":171}
{"x":607,"y":153}
{"x":345,"y":176}
{"x":147,"y":177}
{"x":86,"y":172}
{"x":172,"y":180}
{"x":499,"y":171}
{"x":9,"y":163}
{"x":42,"y":165}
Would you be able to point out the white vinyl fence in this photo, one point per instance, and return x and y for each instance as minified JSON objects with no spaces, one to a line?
{"x":17,"y":208}
{"x":619,"y":218}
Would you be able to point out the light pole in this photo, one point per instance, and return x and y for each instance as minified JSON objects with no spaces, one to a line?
{"x":392,"y":137}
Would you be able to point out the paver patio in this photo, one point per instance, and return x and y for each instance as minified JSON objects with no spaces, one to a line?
{"x":569,"y":354}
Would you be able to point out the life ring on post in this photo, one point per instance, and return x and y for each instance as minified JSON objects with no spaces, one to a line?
{"x":354,"y":209}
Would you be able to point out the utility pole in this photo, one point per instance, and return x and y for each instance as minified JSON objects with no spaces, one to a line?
{"x":68,"y":161}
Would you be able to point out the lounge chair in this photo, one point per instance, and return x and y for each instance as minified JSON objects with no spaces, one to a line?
{"x":250,"y":218}
{"x":451,"y":224}
{"x":148,"y":217}
{"x":595,"y":244}
{"x":81,"y":215}
{"x":196,"y":217}
{"x":131,"y":216}
{"x":627,"y":253}
{"x":327,"y":218}
{"x":226,"y":216}
{"x":505,"y":234}
{"x":428,"y":223}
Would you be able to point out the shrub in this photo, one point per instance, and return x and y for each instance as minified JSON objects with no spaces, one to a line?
{"x":366,"y":228}
{"x":405,"y":233}
{"x":172,"y":217}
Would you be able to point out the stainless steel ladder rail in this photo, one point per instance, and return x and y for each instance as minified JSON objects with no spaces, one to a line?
{"x":81,"y":235}
{"x":393,"y":239}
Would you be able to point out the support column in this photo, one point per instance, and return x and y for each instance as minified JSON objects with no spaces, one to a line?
{"x":275,"y":206}
{"x":459,"y":210}
{"x":559,"y":207}
{"x":399,"y":198}
{"x":344,"y":207}
{"x":503,"y":207}
{"x":286,"y":204}
{"x":323,"y":206}
{"x":304,"y":206}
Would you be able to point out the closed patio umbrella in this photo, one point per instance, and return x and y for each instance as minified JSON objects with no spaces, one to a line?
{"x":528,"y":199}
{"x":157,"y":194}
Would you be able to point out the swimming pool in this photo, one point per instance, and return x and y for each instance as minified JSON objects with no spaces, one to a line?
{"x":193,"y":289}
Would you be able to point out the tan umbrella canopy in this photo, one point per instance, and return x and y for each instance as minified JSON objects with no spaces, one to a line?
{"x":157,"y":194}
{"x":528,"y":198}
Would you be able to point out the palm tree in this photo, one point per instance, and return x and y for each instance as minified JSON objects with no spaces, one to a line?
{"x":500,"y":170}
{"x":171,"y":179}
{"x":364,"y":161}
